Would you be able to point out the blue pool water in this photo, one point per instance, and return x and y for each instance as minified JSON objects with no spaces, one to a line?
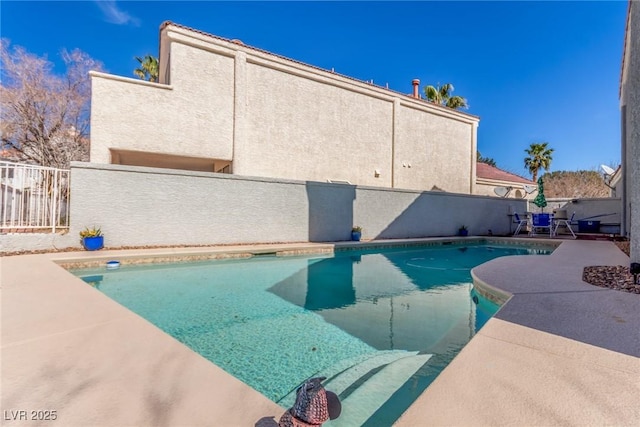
{"x":380,"y":325}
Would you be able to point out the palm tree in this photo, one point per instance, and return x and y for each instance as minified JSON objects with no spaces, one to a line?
{"x":441,"y":95}
{"x":538,"y":156}
{"x":487,"y":160}
{"x":148,"y":68}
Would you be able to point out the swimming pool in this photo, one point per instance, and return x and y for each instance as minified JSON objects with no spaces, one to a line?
{"x":379,"y":324}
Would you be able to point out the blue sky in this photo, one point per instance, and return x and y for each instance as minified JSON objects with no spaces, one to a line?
{"x":532,"y":71}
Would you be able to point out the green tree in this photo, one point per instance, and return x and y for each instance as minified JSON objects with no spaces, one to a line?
{"x":538,"y":157}
{"x":487,"y":160}
{"x":441,"y":95}
{"x":148,"y":68}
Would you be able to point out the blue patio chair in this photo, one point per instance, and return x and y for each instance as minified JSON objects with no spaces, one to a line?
{"x":541,"y":221}
{"x":520,"y":223}
{"x":564,"y":223}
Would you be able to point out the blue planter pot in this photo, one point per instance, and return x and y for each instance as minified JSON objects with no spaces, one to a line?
{"x":93,"y":243}
{"x":356,"y":235}
{"x":463,"y":232}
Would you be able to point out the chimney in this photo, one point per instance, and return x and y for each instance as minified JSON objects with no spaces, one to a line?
{"x":416,"y":90}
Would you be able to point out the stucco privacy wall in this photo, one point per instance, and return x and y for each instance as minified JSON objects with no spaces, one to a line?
{"x":138,"y":206}
{"x":18,"y":242}
{"x":279,"y":118}
{"x":586,"y":208}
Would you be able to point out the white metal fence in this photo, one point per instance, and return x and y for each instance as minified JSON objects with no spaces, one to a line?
{"x":33,"y":197}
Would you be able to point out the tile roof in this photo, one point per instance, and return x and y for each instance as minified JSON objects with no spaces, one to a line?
{"x":486,"y":171}
{"x":239,"y":42}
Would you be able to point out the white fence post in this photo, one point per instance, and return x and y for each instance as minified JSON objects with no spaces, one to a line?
{"x":33,"y":197}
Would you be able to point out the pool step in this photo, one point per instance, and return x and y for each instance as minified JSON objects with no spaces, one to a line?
{"x":341,"y":382}
{"x":368,"y":397}
{"x":345,"y":372}
{"x":391,"y":369}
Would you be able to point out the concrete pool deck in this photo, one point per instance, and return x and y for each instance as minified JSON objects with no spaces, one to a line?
{"x":560,"y":352}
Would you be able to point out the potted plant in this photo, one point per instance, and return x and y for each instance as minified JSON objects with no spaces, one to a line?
{"x":462,"y":231}
{"x":92,"y":239}
{"x":356,"y":233}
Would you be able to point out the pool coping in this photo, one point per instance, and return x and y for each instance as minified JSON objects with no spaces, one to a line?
{"x":77,"y":260}
{"x":43,"y":305}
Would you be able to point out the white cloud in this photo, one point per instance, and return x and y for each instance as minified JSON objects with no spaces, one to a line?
{"x":114,"y":15}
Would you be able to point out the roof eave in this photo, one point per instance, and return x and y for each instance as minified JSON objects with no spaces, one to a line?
{"x":166,"y":24}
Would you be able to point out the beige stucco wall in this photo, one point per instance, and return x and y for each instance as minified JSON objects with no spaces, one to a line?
{"x":186,"y":118}
{"x":300,"y":128}
{"x":118,"y":118}
{"x":630,"y":102}
{"x":432,"y":150}
{"x":278,"y":118}
{"x":486,"y":187}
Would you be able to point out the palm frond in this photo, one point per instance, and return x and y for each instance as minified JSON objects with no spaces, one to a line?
{"x":445,"y":91}
{"x":441,"y":95}
{"x":456,"y":102}
{"x":432,"y":94}
{"x":148,"y":68}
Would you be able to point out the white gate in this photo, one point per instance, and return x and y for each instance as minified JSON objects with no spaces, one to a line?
{"x":33,"y":197}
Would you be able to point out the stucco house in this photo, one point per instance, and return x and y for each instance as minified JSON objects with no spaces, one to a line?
{"x":630,"y":111}
{"x":254,"y":113}
{"x":493,"y":181}
{"x":614,"y":181}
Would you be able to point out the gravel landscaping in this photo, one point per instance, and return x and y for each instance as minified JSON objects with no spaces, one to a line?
{"x":613,"y":277}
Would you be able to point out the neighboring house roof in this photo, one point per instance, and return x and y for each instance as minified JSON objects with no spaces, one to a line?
{"x":486,"y":171}
{"x":615,"y":177}
{"x":239,"y":42}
